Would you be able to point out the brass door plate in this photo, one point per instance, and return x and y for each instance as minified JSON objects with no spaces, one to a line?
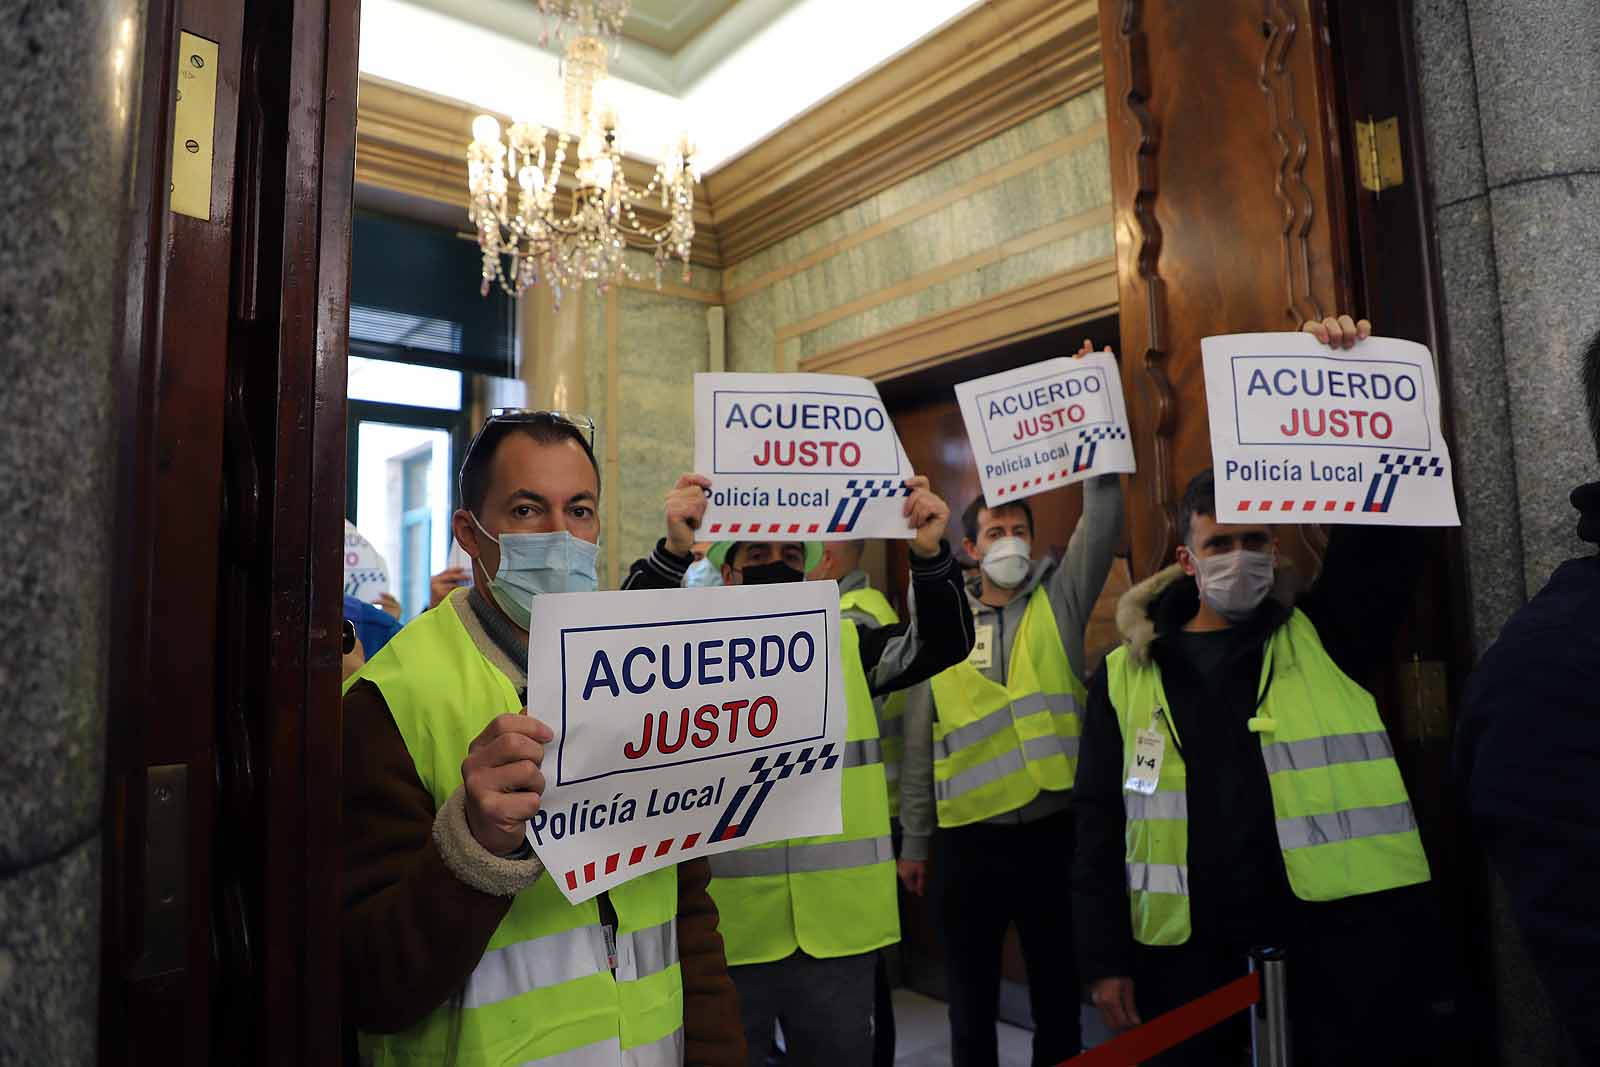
{"x":194,"y":126}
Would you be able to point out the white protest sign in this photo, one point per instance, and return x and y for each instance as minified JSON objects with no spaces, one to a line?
{"x":687,"y":722}
{"x":1301,"y":432}
{"x":1046,"y":425}
{"x":366,"y":575}
{"x":798,"y":455}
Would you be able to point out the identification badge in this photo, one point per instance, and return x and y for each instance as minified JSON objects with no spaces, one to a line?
{"x":1148,"y":748}
{"x":611,"y":945}
{"x":982,"y":656}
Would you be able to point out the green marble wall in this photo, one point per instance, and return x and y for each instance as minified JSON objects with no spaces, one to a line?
{"x":1059,"y":189}
{"x":662,"y":340}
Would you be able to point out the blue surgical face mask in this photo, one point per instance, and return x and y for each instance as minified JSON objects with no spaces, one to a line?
{"x":702,"y":574}
{"x":534,"y":563}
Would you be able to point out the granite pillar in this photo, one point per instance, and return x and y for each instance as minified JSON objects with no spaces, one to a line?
{"x":1511,"y":109}
{"x":69,"y":73}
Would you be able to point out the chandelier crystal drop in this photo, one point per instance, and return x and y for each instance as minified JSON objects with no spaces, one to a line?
{"x":527,"y":234}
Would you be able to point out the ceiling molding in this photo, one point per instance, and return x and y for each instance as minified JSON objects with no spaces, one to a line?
{"x":987,"y":71}
{"x":984,"y":73}
{"x":415,"y":143}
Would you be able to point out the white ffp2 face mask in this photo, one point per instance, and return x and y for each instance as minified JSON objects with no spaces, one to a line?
{"x":1234,"y":583}
{"x":1007,"y":561}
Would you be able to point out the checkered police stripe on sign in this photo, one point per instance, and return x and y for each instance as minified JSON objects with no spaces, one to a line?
{"x":1089,"y":440}
{"x":854,"y":500}
{"x":1380,"y":494}
{"x":786,"y":763}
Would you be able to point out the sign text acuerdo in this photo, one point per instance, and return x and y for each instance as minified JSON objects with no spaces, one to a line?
{"x":660,"y":701}
{"x":1046,"y":425}
{"x":1302,"y":432}
{"x":808,"y":451}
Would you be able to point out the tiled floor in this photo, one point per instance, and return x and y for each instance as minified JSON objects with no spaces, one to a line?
{"x":922,"y":1034}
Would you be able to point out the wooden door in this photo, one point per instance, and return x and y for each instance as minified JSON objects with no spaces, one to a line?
{"x":219,"y":936}
{"x":1239,"y":207}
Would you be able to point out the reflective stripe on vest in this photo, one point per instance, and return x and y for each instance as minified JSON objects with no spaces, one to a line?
{"x":664,"y":1052}
{"x":1159,"y":878}
{"x":546,"y":960}
{"x":997,"y":746}
{"x":799,"y":859}
{"x":891,"y":708}
{"x":862,"y":753}
{"x":1345,"y":825}
{"x":828,"y":896}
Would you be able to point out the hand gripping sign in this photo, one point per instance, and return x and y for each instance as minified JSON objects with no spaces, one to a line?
{"x":812,"y":456}
{"x":1046,"y":425}
{"x":1301,"y":432}
{"x":687,"y":722}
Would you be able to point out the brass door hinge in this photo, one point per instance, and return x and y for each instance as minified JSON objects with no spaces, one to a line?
{"x":1424,"y":702}
{"x":1378,"y":154}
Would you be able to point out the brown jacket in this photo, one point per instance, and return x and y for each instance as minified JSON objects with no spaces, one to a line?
{"x":422,"y":897}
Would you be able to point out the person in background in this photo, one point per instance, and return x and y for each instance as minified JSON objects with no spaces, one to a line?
{"x":1527,"y":758}
{"x":803,"y":919}
{"x":702,"y":573}
{"x":991,"y":752}
{"x":1274,"y":813}
{"x":456,"y":949}
{"x":869,"y":609}
{"x":374,"y":625}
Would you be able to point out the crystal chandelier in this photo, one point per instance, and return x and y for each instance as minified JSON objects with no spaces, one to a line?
{"x":524,"y":233}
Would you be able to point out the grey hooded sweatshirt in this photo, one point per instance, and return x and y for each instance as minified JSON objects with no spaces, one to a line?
{"x":1073,"y":587}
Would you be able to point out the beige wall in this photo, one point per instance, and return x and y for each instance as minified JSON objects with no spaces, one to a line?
{"x":1032,"y":202}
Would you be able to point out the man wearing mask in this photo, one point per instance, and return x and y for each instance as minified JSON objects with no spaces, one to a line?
{"x":803,"y":920}
{"x":1267,"y":808}
{"x":455,"y":947}
{"x":990,"y":758}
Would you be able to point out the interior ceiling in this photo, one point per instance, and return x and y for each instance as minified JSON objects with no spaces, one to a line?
{"x":667,"y":44}
{"x":668,"y":25}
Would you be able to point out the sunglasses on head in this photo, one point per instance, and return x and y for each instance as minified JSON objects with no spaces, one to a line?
{"x":527,"y":416}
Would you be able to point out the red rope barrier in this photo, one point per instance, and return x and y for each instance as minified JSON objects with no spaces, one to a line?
{"x":1173,"y":1028}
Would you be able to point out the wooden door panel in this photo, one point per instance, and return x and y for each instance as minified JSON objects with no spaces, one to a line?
{"x":1222,"y":173}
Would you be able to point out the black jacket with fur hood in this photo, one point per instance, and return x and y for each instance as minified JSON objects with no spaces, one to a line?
{"x":1237,"y":884}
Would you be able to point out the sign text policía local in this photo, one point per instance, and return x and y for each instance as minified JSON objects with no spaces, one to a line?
{"x":1304,"y":433}
{"x":667,"y":706}
{"x":798,"y":455}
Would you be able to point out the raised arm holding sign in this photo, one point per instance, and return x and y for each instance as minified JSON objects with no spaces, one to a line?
{"x":1302,"y":431}
{"x":798,"y":455}
{"x":1047,"y":425}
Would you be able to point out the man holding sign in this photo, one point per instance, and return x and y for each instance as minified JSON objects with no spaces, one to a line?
{"x":457,"y":948}
{"x":991,"y":746}
{"x":804,"y":919}
{"x":1238,"y":788}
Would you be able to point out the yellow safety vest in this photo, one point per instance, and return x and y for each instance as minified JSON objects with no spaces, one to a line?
{"x":891,"y":709}
{"x":827,"y":896}
{"x":1344,"y":820}
{"x":996,"y":747}
{"x":544,"y":990}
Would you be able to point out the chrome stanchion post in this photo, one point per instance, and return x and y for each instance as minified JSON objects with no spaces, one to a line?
{"x":1269,"y":1019}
